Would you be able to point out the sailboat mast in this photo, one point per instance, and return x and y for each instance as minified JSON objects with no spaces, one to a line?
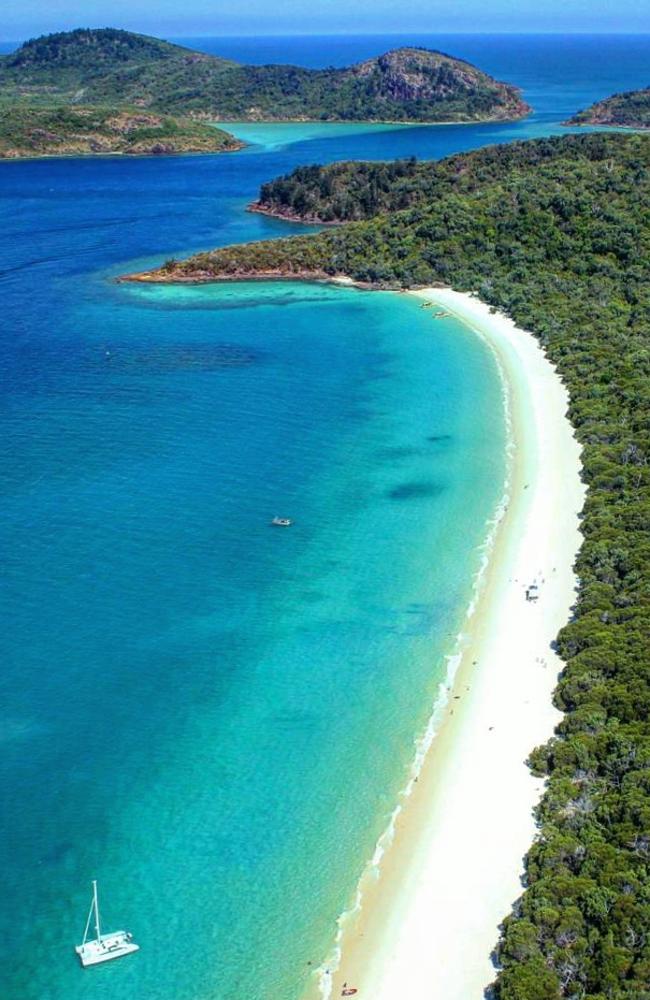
{"x":92,"y":951}
{"x":96,"y":906}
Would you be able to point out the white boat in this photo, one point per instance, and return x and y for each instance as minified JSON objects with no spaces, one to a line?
{"x":103,"y":947}
{"x":281,"y":522}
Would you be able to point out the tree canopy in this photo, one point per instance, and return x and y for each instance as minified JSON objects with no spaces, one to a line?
{"x":108,"y":66}
{"x":555,"y":233}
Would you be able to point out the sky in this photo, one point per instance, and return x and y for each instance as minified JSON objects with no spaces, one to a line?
{"x":25,"y":18}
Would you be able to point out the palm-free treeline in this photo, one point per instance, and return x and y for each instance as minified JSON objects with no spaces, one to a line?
{"x":111,"y":67}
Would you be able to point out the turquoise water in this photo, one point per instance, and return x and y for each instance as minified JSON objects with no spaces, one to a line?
{"x":212,"y":716}
{"x":221,"y":714}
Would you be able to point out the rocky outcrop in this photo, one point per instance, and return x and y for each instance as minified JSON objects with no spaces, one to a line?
{"x":417,"y":75}
{"x":628,"y":110}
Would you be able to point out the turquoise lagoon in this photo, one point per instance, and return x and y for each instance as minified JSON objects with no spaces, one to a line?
{"x":211,"y":716}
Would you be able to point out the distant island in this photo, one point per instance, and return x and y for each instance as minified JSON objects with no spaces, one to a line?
{"x":80,"y":129}
{"x":628,"y":110}
{"x":123,"y":74}
{"x":552,"y":232}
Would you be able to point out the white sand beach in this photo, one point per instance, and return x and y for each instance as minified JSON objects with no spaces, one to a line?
{"x":429,"y":915}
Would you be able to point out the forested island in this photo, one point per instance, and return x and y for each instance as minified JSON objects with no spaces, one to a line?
{"x":79,"y":130}
{"x":110,"y":68}
{"x":628,"y":110}
{"x":554,"y":233}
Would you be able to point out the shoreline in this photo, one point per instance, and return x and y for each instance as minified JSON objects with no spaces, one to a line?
{"x":258,"y":208}
{"x":407,"y":123}
{"x":106,"y":154}
{"x":606,"y":126}
{"x":242,"y":144}
{"x":448,"y":868}
{"x":156,"y":277}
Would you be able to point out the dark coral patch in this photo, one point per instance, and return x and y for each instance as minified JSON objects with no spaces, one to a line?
{"x":165,"y":358}
{"x":414,"y":491}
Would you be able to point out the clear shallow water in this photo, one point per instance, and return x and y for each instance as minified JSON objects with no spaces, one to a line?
{"x":212,"y":716}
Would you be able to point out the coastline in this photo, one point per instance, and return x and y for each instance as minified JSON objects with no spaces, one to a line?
{"x":239,"y":144}
{"x":158,"y":277}
{"x":606,"y":126}
{"x":406,"y":122}
{"x":110,"y":154}
{"x":257,"y":208}
{"x":447,"y":871}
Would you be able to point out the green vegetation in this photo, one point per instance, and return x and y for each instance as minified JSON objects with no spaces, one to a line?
{"x":58,"y":131}
{"x":628,"y":110}
{"x":89,"y":51}
{"x":349,"y":192}
{"x":556,"y":234}
{"x":346,"y":192}
{"x":111,"y":91}
{"x":106,"y":66}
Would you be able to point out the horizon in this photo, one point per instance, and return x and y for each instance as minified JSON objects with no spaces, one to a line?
{"x":174,"y":37}
{"x":294,"y":18}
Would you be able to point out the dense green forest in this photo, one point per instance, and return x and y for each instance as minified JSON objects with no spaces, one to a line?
{"x":78,"y":130}
{"x":109,"y":66}
{"x":349,"y":192}
{"x":556,"y":233}
{"x":628,"y":110}
{"x":346,"y":192}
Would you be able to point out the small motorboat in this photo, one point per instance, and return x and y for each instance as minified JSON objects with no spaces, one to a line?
{"x":281,"y":522}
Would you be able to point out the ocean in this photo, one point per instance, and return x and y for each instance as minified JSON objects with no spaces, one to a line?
{"x":212,"y":716}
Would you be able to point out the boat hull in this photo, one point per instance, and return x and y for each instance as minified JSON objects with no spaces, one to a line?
{"x":111,"y":946}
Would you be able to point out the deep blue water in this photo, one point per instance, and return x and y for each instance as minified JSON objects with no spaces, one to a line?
{"x":212,"y":716}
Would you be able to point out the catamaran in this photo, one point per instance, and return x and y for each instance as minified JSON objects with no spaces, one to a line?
{"x":104,"y":947}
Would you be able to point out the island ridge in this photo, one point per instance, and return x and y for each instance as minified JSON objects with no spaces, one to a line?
{"x":122,"y":73}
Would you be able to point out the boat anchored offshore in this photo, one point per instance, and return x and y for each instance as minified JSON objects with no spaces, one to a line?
{"x":281,"y":522}
{"x":104,"y":947}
